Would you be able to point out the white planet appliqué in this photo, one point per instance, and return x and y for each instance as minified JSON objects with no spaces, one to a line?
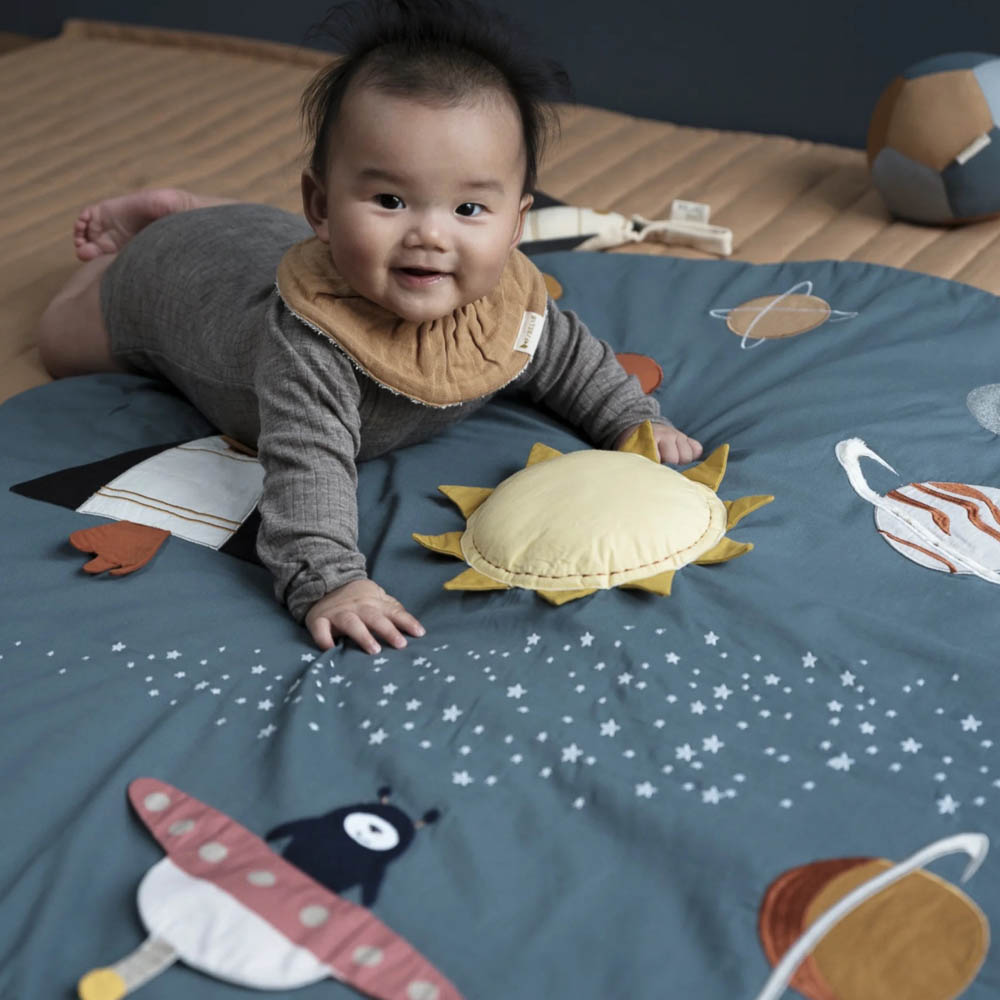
{"x":948,"y":526}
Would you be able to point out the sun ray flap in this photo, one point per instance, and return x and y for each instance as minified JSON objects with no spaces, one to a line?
{"x":710,"y":472}
{"x":726,"y":549}
{"x":466,"y":498}
{"x":641,"y":442}
{"x":449,"y":544}
{"x":659,"y":584}
{"x":541,"y":453}
{"x":558,"y":597}
{"x":472,"y":579}
{"x":736,"y":510}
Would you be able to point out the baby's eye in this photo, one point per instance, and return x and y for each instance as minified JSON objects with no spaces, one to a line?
{"x":470,"y":209}
{"x":389,"y":201}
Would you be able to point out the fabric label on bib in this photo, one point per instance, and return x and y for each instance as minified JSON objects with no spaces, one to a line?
{"x":530,"y":333}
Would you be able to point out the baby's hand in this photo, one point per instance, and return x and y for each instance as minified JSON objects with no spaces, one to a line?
{"x":675,"y":447}
{"x":356,"y":610}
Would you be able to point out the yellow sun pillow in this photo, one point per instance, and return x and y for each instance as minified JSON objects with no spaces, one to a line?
{"x":567,"y":525}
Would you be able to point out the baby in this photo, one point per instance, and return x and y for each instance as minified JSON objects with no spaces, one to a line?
{"x":401,"y":304}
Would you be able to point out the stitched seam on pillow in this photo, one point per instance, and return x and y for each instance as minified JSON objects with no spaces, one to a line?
{"x":583,"y":576}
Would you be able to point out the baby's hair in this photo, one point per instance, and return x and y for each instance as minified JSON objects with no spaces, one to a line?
{"x":437,"y":51}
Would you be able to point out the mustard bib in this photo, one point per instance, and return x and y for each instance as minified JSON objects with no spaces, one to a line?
{"x":467,"y":354}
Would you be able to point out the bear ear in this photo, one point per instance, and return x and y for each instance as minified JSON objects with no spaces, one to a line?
{"x":383,"y":793}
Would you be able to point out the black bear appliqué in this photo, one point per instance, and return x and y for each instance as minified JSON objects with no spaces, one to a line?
{"x":351,"y":845}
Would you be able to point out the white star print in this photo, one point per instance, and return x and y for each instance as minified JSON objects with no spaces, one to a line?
{"x":586,"y":639}
{"x":571,"y":753}
{"x":672,"y":658}
{"x":173,"y":654}
{"x":722,"y":692}
{"x":462,"y":778}
{"x":645,"y":790}
{"x":711,"y":638}
{"x":609,"y":728}
{"x":259,"y":669}
{"x":712,"y":743}
{"x":809,"y":661}
{"x":697,"y":708}
{"x":867,"y":728}
{"x":771,"y":679}
{"x":451,"y":714}
{"x":970,"y":724}
{"x":685,"y":752}
{"x":532,"y":639}
{"x":947,"y":805}
{"x":516,"y":691}
{"x":118,"y":647}
{"x":910,"y":745}
{"x":625,"y":678}
{"x":841,"y":762}
{"x":847,"y":679}
{"x":711,"y":796}
{"x":389,"y":689}
{"x":413,"y":704}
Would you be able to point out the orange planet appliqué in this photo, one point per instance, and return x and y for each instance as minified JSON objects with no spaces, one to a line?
{"x":868,"y":929}
{"x":775,"y":317}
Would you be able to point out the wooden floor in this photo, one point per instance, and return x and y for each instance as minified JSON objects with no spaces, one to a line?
{"x":10,"y":41}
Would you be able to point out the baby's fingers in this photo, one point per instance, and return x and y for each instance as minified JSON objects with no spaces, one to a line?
{"x":407,"y":622}
{"x":688,"y":449}
{"x":678,"y":449}
{"x":670,"y":451}
{"x":384,"y":626}
{"x":388,"y":625}
{"x":321,"y":632}
{"x":353,"y":626}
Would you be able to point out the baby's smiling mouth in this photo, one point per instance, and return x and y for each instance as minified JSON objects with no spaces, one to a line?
{"x":417,"y":277}
{"x":420,"y":272}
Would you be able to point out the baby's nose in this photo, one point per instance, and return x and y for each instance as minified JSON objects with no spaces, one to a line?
{"x":427,"y":231}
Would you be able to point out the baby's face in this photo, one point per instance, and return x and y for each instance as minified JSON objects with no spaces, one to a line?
{"x":422,"y":204}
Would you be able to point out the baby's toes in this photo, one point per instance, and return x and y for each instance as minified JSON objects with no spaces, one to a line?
{"x":81,"y":227}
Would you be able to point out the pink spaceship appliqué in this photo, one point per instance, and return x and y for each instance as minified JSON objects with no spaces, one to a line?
{"x":224,"y":903}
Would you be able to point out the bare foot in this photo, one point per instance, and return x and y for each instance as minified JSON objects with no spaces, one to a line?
{"x":108,"y":225}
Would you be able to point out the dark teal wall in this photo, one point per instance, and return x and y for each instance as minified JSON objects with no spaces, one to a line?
{"x":812,"y":69}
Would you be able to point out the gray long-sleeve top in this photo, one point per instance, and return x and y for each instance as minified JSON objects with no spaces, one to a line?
{"x":192,"y":299}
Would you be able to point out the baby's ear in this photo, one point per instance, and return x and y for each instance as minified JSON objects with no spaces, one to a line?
{"x":526,"y":202}
{"x":314,"y":206}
